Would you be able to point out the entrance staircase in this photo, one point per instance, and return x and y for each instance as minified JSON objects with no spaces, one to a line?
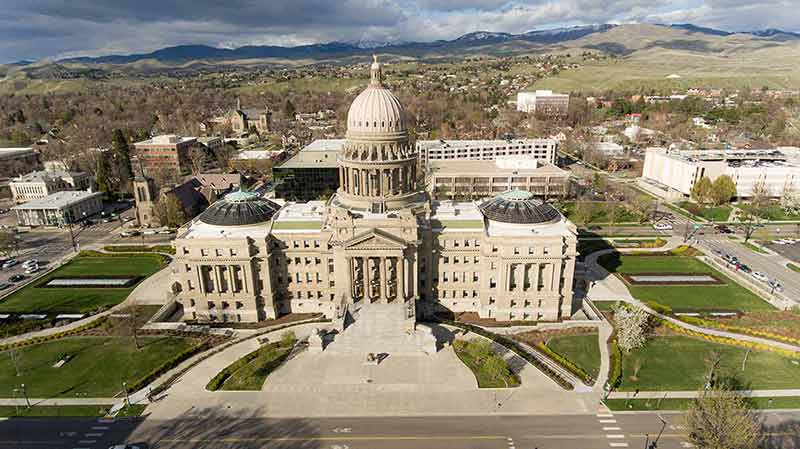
{"x":382,"y":328}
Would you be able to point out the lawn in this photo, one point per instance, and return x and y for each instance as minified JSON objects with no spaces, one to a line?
{"x":678,"y":363}
{"x":793,"y":267}
{"x":774,"y":212}
{"x":582,"y":350}
{"x":253,"y":372}
{"x":719,"y":213}
{"x":606,"y":306}
{"x":599,"y":212}
{"x":490,"y":370}
{"x":97,"y":368}
{"x":753,"y":248}
{"x":726,"y":296}
{"x":684,"y":403}
{"x":31,"y":299}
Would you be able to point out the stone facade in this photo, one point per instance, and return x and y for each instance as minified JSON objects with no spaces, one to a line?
{"x":379,"y":240}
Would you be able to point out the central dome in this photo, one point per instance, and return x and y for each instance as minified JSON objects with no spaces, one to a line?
{"x":376,"y":110}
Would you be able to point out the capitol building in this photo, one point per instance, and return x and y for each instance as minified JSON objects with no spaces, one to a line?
{"x":379,"y":240}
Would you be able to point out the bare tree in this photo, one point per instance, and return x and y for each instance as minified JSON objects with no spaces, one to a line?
{"x":719,"y":418}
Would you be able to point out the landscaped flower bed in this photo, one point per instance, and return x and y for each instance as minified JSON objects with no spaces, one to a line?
{"x":671,"y":279}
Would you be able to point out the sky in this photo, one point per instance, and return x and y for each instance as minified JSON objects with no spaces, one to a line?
{"x":37,"y":29}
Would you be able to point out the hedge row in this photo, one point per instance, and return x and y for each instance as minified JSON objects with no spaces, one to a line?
{"x":217,"y":381}
{"x":730,"y":341}
{"x":46,"y":338}
{"x":615,"y":368}
{"x":566,"y":363}
{"x":139,"y":249}
{"x":697,"y":321}
{"x":92,"y":253}
{"x":514,"y":346}
{"x":170,"y":364}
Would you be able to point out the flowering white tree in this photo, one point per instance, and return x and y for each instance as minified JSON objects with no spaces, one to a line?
{"x":631,"y":326}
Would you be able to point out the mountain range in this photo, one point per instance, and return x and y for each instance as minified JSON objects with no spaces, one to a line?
{"x":477,"y":39}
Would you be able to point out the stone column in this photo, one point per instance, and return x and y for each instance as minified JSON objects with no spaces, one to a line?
{"x":412,"y":275}
{"x":384,"y":280}
{"x":201,"y":281}
{"x":218,"y":279}
{"x":400,"y":269}
{"x":535,"y":269}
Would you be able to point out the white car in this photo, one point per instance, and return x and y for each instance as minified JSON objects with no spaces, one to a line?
{"x":662,"y":227}
{"x":30,"y":263}
{"x":759,"y":276}
{"x":10,"y":263}
{"x":781,"y":242}
{"x":31,"y":269}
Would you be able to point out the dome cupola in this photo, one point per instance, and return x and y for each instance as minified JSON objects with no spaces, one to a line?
{"x":376,"y":110}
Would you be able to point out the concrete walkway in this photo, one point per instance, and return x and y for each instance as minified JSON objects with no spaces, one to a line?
{"x":693,"y":394}
{"x":146,"y":292}
{"x":607,"y":286}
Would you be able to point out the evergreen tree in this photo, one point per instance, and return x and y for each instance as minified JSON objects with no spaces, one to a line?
{"x":103,"y":183}
{"x":122,"y":154}
{"x":288,"y":109}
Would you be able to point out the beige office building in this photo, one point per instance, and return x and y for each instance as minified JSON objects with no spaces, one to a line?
{"x":39,"y":184}
{"x":473,"y":180}
{"x":380,"y":243}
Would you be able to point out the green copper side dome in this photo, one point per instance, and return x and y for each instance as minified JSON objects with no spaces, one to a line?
{"x":238,"y":209}
{"x":518,"y":207}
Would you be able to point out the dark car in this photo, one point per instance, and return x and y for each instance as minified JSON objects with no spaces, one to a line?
{"x":16,"y":278}
{"x":745,"y":268}
{"x":722,"y":229}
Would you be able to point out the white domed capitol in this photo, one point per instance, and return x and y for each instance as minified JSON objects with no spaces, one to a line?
{"x":379,"y":246}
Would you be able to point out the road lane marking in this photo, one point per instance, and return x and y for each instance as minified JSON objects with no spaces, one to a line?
{"x":93,"y":434}
{"x":615,"y":436}
{"x":608,"y":421}
{"x":87,"y":441}
{"x":100,"y":427}
{"x":618,"y":444}
{"x":605,"y":415}
{"x":610,"y":428}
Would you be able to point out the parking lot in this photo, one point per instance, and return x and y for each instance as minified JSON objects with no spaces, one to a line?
{"x":791,"y":252}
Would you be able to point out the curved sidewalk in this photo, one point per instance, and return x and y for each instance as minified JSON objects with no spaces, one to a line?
{"x":609,"y":282}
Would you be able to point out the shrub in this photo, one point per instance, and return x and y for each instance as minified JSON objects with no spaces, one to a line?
{"x":615,"y":368}
{"x":567,"y":363}
{"x":660,"y":308}
{"x":288,"y":338}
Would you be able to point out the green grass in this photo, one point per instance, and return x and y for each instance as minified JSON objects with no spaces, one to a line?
{"x":788,"y":402}
{"x":775,"y":212}
{"x":605,"y":306}
{"x":719,"y":213}
{"x":53,"y":411}
{"x":753,"y":248}
{"x":131,"y":411}
{"x":793,"y":267}
{"x":297,"y":225}
{"x":480,"y":363}
{"x":678,"y":363}
{"x":139,"y":249}
{"x":599,"y":212}
{"x":252,"y":375}
{"x":98,"y":366}
{"x":726,"y":296}
{"x":31,"y":299}
{"x":582,"y":350}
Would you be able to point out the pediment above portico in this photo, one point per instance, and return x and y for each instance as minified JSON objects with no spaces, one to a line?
{"x":375,"y":239}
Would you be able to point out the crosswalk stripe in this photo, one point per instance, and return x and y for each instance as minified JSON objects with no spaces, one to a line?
{"x":615,"y":436}
{"x":610,"y":428}
{"x":618,"y":444}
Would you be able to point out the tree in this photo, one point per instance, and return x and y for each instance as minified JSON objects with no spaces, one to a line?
{"x":759,"y":198}
{"x":701,"y":191}
{"x":169,"y":212}
{"x":288,"y":109}
{"x":583,"y":213}
{"x":750,"y":220}
{"x":8,"y":243}
{"x":197,"y":157}
{"x":790,"y":200}
{"x":641,"y":204}
{"x":612,"y":213}
{"x":122,"y":156}
{"x":722,"y":190}
{"x":101,"y":175}
{"x":719,"y":418}
{"x":631,"y":323}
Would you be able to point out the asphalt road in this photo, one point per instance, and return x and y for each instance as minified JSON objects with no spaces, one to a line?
{"x":207,"y":429}
{"x":769,"y":264}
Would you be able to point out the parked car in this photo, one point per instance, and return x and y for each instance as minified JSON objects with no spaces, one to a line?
{"x":10,"y":263}
{"x":662,"y":227}
{"x":722,"y":229}
{"x":4,"y":285}
{"x":149,"y":232}
{"x":30,"y":262}
{"x":31,"y":269}
{"x":127,"y":219}
{"x":759,"y":276}
{"x":129,"y":233}
{"x":166,"y":231}
{"x":16,"y":278}
{"x":745,"y":268}
{"x":775,"y":285}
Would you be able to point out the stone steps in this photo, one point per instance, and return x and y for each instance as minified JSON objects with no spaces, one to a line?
{"x":383,"y":328}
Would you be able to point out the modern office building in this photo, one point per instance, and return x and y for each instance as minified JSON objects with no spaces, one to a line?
{"x":166,"y":153}
{"x":672,"y":174}
{"x":379,"y":246}
{"x":486,"y":150}
{"x":543,"y":102}
{"x":473,"y":180}
{"x":310,"y":174}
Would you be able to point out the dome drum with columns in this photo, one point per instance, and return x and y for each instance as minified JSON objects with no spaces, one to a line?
{"x":378,"y":163}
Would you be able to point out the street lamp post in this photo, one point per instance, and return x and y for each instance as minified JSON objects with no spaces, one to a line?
{"x":25,"y":393}
{"x":127,"y":398}
{"x":16,"y":405}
